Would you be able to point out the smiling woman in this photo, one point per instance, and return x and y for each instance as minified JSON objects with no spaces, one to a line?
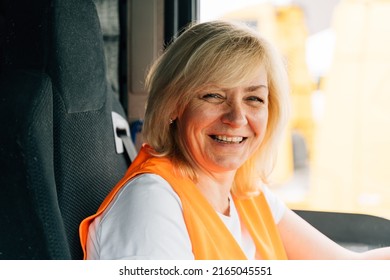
{"x":217,"y":105}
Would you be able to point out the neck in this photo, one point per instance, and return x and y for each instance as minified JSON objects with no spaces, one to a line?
{"x":216,"y":189}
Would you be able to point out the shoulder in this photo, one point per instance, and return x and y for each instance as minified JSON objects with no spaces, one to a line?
{"x":276,"y":204}
{"x":146,"y":192}
{"x":145,"y":187}
{"x":140,"y":197}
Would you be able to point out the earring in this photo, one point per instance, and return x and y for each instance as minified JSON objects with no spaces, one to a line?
{"x":170,"y":121}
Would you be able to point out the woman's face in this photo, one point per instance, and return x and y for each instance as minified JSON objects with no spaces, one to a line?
{"x":222,"y":127}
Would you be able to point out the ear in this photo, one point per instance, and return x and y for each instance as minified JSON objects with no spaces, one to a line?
{"x":173,"y":116}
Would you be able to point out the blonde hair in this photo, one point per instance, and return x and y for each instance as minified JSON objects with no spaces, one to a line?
{"x":222,"y":53}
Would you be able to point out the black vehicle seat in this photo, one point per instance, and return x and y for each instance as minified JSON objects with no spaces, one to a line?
{"x":58,"y":145}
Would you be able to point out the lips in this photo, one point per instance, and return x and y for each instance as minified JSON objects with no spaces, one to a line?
{"x":228,"y":139}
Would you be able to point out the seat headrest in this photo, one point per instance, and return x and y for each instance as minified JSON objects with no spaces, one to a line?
{"x":77,"y":62}
{"x":63,"y":39}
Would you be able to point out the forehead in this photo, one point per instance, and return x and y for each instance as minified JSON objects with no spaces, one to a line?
{"x":252,"y":77}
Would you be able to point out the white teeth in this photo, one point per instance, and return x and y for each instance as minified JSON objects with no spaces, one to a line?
{"x":224,"y":138}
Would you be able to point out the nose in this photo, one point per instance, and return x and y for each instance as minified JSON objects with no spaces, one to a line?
{"x":235,"y":115}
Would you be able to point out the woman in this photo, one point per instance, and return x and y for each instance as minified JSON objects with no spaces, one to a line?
{"x":218,"y":103}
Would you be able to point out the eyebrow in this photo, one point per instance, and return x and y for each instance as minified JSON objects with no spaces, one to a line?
{"x":255,"y":88}
{"x":247,"y":89}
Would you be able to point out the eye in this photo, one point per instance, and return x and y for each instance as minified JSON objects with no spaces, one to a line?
{"x":256,"y":99}
{"x":213,"y":97}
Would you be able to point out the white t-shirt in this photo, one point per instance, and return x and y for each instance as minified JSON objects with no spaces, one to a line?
{"x":145,"y":221}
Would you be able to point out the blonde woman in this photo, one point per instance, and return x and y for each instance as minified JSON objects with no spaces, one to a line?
{"x":217,"y":105}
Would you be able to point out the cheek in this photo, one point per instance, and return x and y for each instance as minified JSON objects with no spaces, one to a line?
{"x":260,"y":123}
{"x":190,"y":125}
{"x":198,"y":117}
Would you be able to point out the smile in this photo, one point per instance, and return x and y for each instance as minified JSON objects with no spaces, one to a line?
{"x":227,"y":139}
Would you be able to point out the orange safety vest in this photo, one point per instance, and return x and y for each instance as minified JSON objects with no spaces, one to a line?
{"x":210,"y":238}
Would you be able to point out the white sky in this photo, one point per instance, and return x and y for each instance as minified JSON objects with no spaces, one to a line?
{"x":211,"y":9}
